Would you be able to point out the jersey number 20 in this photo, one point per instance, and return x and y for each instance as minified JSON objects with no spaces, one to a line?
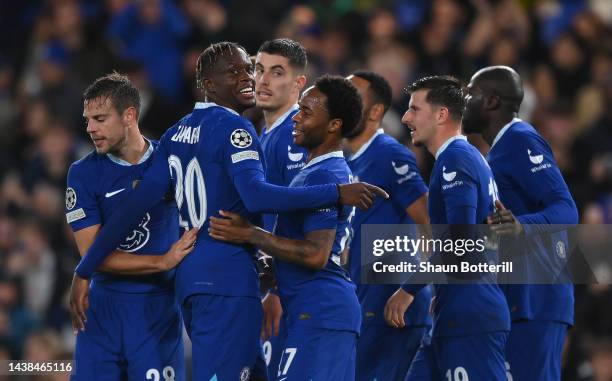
{"x":187,"y":188}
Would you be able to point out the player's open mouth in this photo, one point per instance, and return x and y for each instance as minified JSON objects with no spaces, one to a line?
{"x":247,"y":92}
{"x":296,"y":132}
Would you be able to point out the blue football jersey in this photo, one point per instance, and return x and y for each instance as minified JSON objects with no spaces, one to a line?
{"x":529,"y":181}
{"x":283,"y":157}
{"x":97,"y":186}
{"x":205,"y":150}
{"x":462,"y":178}
{"x":384,"y":162}
{"x":324,"y":298}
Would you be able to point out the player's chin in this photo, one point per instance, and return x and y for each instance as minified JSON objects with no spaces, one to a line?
{"x":298,"y":138}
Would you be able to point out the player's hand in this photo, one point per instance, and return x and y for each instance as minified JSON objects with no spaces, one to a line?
{"x":79,"y":302}
{"x":179,"y":250}
{"x":361,"y":195}
{"x":503,"y":222}
{"x":231,"y":227}
{"x":396,"y":307}
{"x":273,"y":311}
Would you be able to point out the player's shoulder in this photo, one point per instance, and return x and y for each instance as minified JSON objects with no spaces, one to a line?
{"x":330,"y":170}
{"x":86,"y":164}
{"x":520,"y":134}
{"x":460,"y":151}
{"x":461,"y":156}
{"x":388,"y":147}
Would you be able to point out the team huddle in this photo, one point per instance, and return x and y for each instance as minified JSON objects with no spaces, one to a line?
{"x":171,"y":233}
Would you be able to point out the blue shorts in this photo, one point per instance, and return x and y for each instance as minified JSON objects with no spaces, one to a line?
{"x":130,"y":336}
{"x":458,"y":358}
{"x":317,"y":354}
{"x":224,"y":332}
{"x":534,"y":350}
{"x":385,"y":353}
{"x":266,"y":366}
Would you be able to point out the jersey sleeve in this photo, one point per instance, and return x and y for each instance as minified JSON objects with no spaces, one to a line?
{"x":151,"y":189}
{"x":241,"y":147}
{"x":322,"y":218}
{"x":536,"y":172}
{"x":459,"y":187}
{"x":81,"y":204}
{"x":291,"y":157}
{"x":406,"y":183}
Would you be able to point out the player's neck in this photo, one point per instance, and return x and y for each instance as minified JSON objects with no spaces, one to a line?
{"x":442,"y":137}
{"x":271,"y":116}
{"x":497,"y":123}
{"x":134,"y":149}
{"x":354,"y":144}
{"x":324,"y":148}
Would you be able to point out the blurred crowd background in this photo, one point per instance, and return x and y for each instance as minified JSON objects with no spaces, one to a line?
{"x":50,"y":50}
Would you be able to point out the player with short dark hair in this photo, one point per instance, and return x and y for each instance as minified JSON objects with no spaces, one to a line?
{"x":466,"y":342}
{"x":211,"y":158}
{"x":322,"y":309}
{"x":280,"y":67}
{"x":385,"y":352}
{"x":131,"y":292}
{"x":532,"y":188}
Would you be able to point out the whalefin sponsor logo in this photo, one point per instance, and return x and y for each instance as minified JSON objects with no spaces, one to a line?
{"x":294,"y":156}
{"x":400,"y":170}
{"x":538,"y":161}
{"x":450,"y":176}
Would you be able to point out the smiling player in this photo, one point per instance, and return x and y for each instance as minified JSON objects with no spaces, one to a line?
{"x":214,"y":160}
{"x":322,"y":309}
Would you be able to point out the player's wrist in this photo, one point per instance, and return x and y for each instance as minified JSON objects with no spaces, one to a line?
{"x":161,"y":263}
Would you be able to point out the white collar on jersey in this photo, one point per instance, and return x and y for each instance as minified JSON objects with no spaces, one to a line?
{"x":503,"y":131}
{"x":319,"y":159}
{"x":448,"y":142}
{"x":364,"y":147}
{"x":203,"y":105}
{"x":281,"y":119}
{"x":120,"y":161}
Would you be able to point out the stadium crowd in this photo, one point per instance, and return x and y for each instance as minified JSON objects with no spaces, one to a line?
{"x":51,"y":49}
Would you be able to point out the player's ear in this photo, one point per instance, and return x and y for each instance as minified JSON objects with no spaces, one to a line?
{"x":492,"y":102}
{"x":335,"y":125}
{"x":443,"y":115}
{"x":208,"y":86}
{"x":300,"y":82}
{"x":130,"y":115}
{"x":376,"y":112}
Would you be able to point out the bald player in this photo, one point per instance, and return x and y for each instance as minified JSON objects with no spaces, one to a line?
{"x":534,"y":195}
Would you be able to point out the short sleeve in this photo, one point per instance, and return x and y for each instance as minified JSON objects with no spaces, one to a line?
{"x":81,"y":204}
{"x":240,"y":146}
{"x":323,"y":218}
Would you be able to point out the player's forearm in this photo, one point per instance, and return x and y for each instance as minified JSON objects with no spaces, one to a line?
{"x":122,"y":263}
{"x":261,"y":197}
{"x":560,"y":211}
{"x":116,"y":227}
{"x":299,"y":252}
